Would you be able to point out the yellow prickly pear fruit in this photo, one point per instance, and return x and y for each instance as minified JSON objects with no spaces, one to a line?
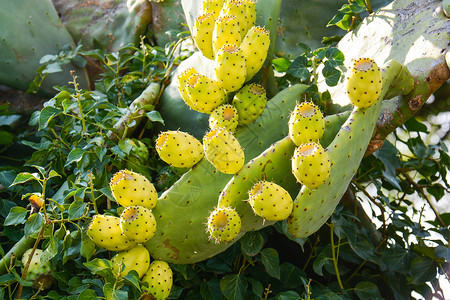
{"x":225,"y":116}
{"x":250,"y":8}
{"x":136,"y":258}
{"x":364,"y":83}
{"x":224,"y":224}
{"x":226,"y":31}
{"x":306,"y":124}
{"x":137,"y":223}
{"x":202,"y":33}
{"x":105,"y":232}
{"x":311,"y":165}
{"x":250,"y":102}
{"x":159,"y":279}
{"x":270,"y":201}
{"x":179,"y":149}
{"x":223,"y":151}
{"x":236,"y":8}
{"x":212,"y":7}
{"x":182,"y":83}
{"x":204,"y":93}
{"x":130,"y":188}
{"x":254,"y":47}
{"x":230,"y":68}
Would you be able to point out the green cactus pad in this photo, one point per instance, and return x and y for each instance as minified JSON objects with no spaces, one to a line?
{"x":224,"y":224}
{"x":137,"y":223}
{"x":223,"y":151}
{"x":130,"y":188}
{"x":159,"y":280}
{"x":105,"y":232}
{"x":136,"y":258}
{"x":311,"y":165}
{"x":306,"y":123}
{"x":179,"y":149}
{"x":230,"y":68}
{"x":313,"y":207}
{"x":270,"y":201}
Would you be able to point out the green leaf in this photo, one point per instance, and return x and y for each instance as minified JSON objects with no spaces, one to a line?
{"x":331,"y":74}
{"x":87,"y":249}
{"x":281,"y":64}
{"x":46,"y":115}
{"x":7,"y":278}
{"x":323,"y":258}
{"x":52,"y":174}
{"x":396,"y":259}
{"x":340,"y":20}
{"x":291,"y":275}
{"x":76,"y":285}
{"x":76,"y":209}
{"x":234,"y":286}
{"x":34,"y":223}
{"x":437,"y":190}
{"x":298,"y":68}
{"x":271,"y":262}
{"x":367,"y":290}
{"x":155,"y":116}
{"x":6,"y":137}
{"x":112,"y":294}
{"x":74,"y":156}
{"x":388,"y":154}
{"x":288,"y":295}
{"x":87,"y":294}
{"x":413,"y":125}
{"x":133,"y":279}
{"x":423,"y":269}
{"x":51,"y":250}
{"x":25,"y":177}
{"x":251,"y":243}
{"x":257,"y":287}
{"x":17,"y":215}
{"x":442,"y":252}
{"x":210,"y":290}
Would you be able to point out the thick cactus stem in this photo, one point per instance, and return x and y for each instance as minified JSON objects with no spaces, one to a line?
{"x":313,"y":207}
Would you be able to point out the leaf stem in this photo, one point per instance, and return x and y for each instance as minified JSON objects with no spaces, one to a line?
{"x":335,"y":259}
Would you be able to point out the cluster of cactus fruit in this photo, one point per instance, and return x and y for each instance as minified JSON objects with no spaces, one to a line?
{"x":126,"y":234}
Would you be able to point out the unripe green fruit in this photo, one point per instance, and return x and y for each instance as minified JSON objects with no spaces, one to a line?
{"x":204,"y":93}
{"x":137,"y":223}
{"x":270,"y":201}
{"x":179,"y":149}
{"x":250,"y":102}
{"x":306,"y":124}
{"x":105,"y":232}
{"x":202,"y":33}
{"x":224,"y":224}
{"x":159,"y":279}
{"x":225,"y":116}
{"x":311,"y":165}
{"x":254,"y":47}
{"x":38,"y":273}
{"x":230,"y":68}
{"x":137,"y":259}
{"x":130,"y":188}
{"x":364,"y":83}
{"x":226,"y":31}
{"x":223,"y":151}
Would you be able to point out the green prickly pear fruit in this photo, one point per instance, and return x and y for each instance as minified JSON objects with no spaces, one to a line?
{"x":159,"y":279}
{"x":136,"y":258}
{"x":130,"y":188}
{"x":182,"y":83}
{"x":224,"y":224}
{"x":311,"y":165}
{"x":204,"y":93}
{"x":202,"y":33}
{"x":236,"y":8}
{"x":225,"y":116}
{"x":105,"y":232}
{"x":250,"y":102}
{"x":137,"y":223}
{"x":230,"y":68}
{"x":254,"y":47}
{"x":270,"y":201}
{"x":212,"y":7}
{"x":179,"y":149}
{"x":364,"y":83}
{"x":306,"y":124}
{"x":223,"y":151}
{"x":226,"y":31}
{"x":38,"y":273}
